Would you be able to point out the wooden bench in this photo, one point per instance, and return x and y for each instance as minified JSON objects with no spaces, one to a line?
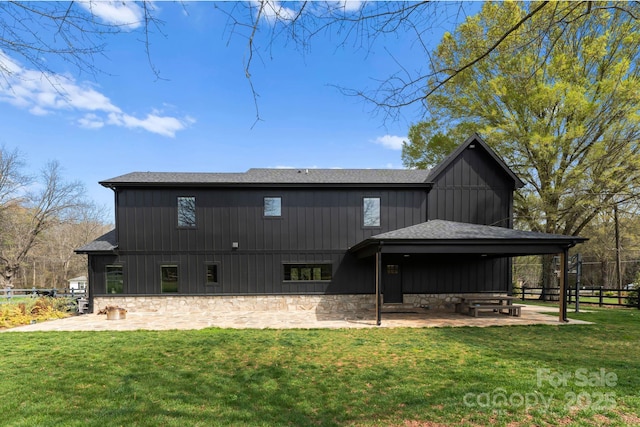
{"x":513,"y":310}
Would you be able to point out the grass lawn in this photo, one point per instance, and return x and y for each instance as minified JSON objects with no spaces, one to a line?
{"x":516,"y":376}
{"x":605,"y":300}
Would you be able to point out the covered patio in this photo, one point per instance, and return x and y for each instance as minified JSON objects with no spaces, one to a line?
{"x":442,"y":238}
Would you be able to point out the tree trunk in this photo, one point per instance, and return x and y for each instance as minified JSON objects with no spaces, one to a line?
{"x":548,"y":279}
{"x":8,"y":273}
{"x":604,"y":273}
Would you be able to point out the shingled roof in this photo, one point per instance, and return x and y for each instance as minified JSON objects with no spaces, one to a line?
{"x":105,"y":243}
{"x":439,"y":236}
{"x":438,"y":229}
{"x":273,"y":176}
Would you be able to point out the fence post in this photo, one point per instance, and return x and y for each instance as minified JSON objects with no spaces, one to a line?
{"x":524,"y":289}
{"x":600,"y":299}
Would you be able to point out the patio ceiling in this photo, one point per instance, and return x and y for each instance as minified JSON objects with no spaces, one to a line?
{"x":448,"y":237}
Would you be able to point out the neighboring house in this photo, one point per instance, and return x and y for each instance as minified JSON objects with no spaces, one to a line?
{"x":78,"y":283}
{"x":324,"y":239}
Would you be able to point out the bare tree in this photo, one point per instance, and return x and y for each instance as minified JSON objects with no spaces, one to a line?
{"x":51,"y":202}
{"x":12,"y":180}
{"x":42,"y":33}
{"x":53,"y":260}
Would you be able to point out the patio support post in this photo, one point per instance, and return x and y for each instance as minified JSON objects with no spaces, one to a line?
{"x":564,"y":274}
{"x":378,"y":277}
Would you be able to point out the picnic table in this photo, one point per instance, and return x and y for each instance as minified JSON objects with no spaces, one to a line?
{"x":495,"y":303}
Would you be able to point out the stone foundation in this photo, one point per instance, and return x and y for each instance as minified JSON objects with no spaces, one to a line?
{"x":228,"y":303}
{"x":223,"y":303}
{"x":429,"y":301}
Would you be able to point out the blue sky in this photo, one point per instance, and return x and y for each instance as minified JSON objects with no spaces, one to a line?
{"x":200,"y":116}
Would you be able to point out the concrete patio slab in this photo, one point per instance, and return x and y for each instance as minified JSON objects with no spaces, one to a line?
{"x":531,"y":315}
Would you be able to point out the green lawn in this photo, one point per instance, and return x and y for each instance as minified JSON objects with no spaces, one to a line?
{"x":605,"y":300}
{"x":537,"y":375}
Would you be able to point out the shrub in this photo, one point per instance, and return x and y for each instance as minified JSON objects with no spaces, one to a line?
{"x":632,"y":297}
{"x":39,"y":309}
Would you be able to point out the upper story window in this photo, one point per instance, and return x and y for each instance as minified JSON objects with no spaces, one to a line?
{"x":371,"y":212}
{"x":273,"y":206}
{"x":186,"y":211}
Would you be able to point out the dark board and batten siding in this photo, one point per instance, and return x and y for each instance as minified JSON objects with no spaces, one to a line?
{"x":316,"y":226}
{"x":322,"y":217}
{"x":472,"y":189}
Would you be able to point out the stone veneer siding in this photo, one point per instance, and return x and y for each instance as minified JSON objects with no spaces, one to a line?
{"x":227,"y":303}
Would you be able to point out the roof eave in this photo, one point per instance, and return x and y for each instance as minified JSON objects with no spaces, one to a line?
{"x":504,"y":247}
{"x":115,"y":185}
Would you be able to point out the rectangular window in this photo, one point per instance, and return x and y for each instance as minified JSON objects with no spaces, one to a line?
{"x":169,"y":278}
{"x":212,"y":274}
{"x":307,"y":272}
{"x":186,"y":212}
{"x":393,"y":269}
{"x":115,"y":281}
{"x":371,"y":212}
{"x":273,"y":206}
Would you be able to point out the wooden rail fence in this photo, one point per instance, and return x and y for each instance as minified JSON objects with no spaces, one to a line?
{"x":9,"y":293}
{"x":594,"y":295}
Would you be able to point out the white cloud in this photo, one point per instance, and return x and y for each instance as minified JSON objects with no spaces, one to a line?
{"x":390,"y":141}
{"x":91,"y":121}
{"x":350,"y":5}
{"x":272,"y":10}
{"x":125,"y":14}
{"x":43,"y":93}
{"x":162,"y":125}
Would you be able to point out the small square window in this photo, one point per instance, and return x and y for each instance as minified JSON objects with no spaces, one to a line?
{"x":272,"y":206}
{"x":393,"y":269}
{"x":186,"y":212}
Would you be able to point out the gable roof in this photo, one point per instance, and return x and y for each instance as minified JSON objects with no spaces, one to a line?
{"x":440,"y":236}
{"x":475,"y":141}
{"x":261,"y":177}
